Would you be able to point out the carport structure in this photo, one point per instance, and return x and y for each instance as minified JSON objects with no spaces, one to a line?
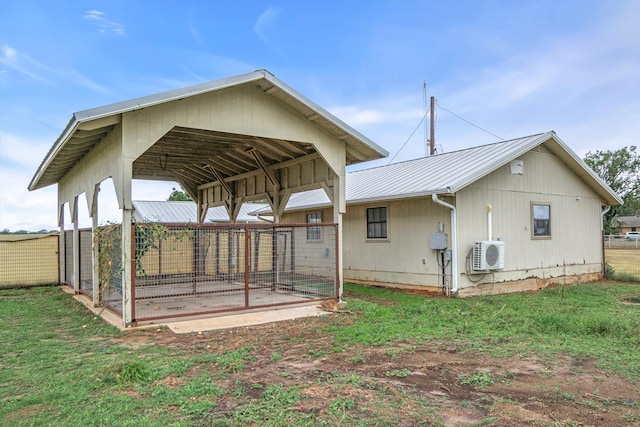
{"x":240,"y":139}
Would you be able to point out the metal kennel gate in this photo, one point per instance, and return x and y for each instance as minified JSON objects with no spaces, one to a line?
{"x":195,"y":269}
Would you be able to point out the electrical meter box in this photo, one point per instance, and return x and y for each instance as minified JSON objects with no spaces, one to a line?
{"x":438,"y":241}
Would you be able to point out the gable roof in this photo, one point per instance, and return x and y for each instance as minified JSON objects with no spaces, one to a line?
{"x":185,"y":212}
{"x":87,"y":128}
{"x":449,"y":173}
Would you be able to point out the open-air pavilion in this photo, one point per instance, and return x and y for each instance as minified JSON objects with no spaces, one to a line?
{"x":240,"y":139}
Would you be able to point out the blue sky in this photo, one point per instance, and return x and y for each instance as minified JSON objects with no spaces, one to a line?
{"x":513,"y":68}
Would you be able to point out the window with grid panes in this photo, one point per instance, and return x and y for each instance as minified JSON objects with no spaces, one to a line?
{"x":314,"y":233}
{"x":377,"y":223}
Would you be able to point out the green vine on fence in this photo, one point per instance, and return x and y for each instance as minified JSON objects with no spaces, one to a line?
{"x":147,"y":236}
{"x":107,"y":240}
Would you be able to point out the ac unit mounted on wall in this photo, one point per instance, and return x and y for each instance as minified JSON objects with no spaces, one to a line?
{"x":488,"y":255}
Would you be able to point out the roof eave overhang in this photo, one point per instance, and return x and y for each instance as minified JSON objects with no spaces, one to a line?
{"x":353,"y":139}
{"x":608,"y":195}
{"x":377,"y":151}
{"x":441,"y":192}
{"x":560,"y":149}
{"x":69,"y":130}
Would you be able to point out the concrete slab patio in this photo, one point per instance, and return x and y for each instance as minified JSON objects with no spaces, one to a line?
{"x":211,"y":322}
{"x":245,"y":319}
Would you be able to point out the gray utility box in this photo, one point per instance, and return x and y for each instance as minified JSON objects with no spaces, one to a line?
{"x":438,"y":241}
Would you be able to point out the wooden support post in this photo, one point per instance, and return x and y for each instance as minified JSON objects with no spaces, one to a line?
{"x":128,"y":267}
{"x":62,"y":258}
{"x":339,"y":205}
{"x":76,"y":247}
{"x":95,"y":257}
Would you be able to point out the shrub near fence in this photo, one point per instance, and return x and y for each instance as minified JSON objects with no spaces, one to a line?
{"x":28,"y":260}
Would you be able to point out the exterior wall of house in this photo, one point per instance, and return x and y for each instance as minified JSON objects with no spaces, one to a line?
{"x":572,"y":254}
{"x":575,"y":246}
{"x":398,"y":259}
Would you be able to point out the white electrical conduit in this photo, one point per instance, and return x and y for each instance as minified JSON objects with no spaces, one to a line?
{"x":604,"y":212}
{"x":489,"y":232}
{"x":454,"y":242}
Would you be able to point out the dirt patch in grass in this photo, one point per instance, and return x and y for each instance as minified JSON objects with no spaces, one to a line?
{"x":27,"y":412}
{"x":429,"y":384}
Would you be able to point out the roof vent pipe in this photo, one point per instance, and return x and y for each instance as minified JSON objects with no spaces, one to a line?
{"x":454,"y":242}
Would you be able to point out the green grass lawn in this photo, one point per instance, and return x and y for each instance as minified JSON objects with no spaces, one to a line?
{"x":62,"y":366}
{"x":624,"y":264}
{"x":584,"y":321}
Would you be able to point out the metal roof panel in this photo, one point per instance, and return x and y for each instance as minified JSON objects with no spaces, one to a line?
{"x":448,"y":173}
{"x":185,"y":212}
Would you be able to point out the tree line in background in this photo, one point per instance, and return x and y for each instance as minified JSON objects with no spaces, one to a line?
{"x":620,"y":169}
{"x":43,"y":231}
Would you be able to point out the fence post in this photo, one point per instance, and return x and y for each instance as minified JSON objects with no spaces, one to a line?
{"x":247,"y":254}
{"x":62,"y":253}
{"x":128,"y":267}
{"x":95,"y":262}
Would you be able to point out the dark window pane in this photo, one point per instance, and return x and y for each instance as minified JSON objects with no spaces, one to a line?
{"x":377,"y":223}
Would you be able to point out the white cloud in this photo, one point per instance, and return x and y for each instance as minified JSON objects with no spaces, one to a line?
{"x":21,"y":151}
{"x":265,"y":27}
{"x":82,"y":80}
{"x":23,"y":210}
{"x":9,"y":54}
{"x":196,"y":35}
{"x":585,"y":86}
{"x":364,"y":117}
{"x":21,"y":63}
{"x":36,"y":210}
{"x":28,"y":66}
{"x":104,"y":25}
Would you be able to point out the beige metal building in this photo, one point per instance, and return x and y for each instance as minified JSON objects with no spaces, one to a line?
{"x":244,"y":138}
{"x":511,"y":216}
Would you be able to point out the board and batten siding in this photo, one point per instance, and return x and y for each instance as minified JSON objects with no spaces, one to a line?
{"x":572,"y":254}
{"x":575,"y":245}
{"x":398,"y":259}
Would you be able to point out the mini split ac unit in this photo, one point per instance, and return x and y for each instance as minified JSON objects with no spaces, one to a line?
{"x":488,"y":255}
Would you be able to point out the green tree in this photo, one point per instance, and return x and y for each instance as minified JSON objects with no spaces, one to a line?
{"x":621,"y":170}
{"x":179,"y":195}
